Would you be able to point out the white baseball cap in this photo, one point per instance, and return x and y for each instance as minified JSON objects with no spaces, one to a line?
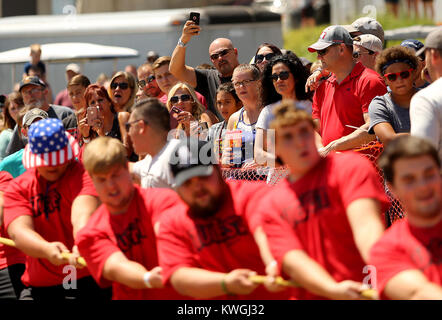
{"x":369,"y":41}
{"x":73,"y":67}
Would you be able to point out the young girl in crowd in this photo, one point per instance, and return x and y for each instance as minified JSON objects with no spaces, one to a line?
{"x":227,"y":103}
{"x":390,"y":113}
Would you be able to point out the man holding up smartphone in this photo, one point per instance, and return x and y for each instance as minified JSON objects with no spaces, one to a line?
{"x":222,"y":54}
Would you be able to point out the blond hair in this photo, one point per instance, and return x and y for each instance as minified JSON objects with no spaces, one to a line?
{"x":197,"y":108}
{"x":132,"y":86}
{"x":102,"y":154}
{"x":286,"y":114}
{"x":35,"y":47}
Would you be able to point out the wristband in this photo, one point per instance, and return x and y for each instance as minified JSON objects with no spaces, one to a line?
{"x":181,"y":44}
{"x":272,"y":263}
{"x":146,"y":279}
{"x":224,"y":287}
{"x":86,"y":140}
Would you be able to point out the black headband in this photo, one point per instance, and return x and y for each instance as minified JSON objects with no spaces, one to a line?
{"x":389,"y":63}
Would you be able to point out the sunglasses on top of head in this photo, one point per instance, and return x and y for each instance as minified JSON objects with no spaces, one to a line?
{"x":122,"y":85}
{"x":260,"y":57}
{"x":143,"y":83}
{"x":283,"y":75}
{"x":394,"y":75}
{"x":183,"y":98}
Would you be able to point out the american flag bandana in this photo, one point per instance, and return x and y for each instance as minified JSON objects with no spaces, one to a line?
{"x":49,"y":145}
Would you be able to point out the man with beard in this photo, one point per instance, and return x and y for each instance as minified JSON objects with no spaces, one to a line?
{"x":206,"y":243}
{"x":34,"y":91}
{"x":408,"y":257}
{"x":119,"y":242}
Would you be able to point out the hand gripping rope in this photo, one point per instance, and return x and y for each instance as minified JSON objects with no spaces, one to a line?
{"x":65,"y":255}
{"x":368,"y":294}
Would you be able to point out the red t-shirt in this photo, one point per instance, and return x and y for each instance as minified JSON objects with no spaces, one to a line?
{"x":405,"y":247}
{"x":8,"y":255}
{"x":131,"y":233}
{"x":49,"y":204}
{"x":310,"y":214}
{"x":337,"y":105}
{"x":220,"y":243}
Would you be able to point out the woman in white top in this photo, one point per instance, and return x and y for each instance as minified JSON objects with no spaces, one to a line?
{"x":246,"y":80}
{"x":284,"y":77}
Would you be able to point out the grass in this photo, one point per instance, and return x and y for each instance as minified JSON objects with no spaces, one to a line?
{"x":298,"y":40}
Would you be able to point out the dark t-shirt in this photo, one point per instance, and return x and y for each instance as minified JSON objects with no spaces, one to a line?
{"x":207,"y":81}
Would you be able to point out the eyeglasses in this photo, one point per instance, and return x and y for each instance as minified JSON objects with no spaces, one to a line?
{"x":283,"y":75}
{"x":357,"y":54}
{"x":127,"y":125}
{"x":403,"y":74}
{"x":260,"y":57}
{"x":242,"y":83}
{"x":183,"y":98}
{"x":222,"y":53}
{"x":30,"y":92}
{"x":323,"y":52}
{"x":143,"y":83}
{"x":122,"y":85}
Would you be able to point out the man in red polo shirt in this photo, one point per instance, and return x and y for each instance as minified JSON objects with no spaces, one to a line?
{"x":206,"y":244}
{"x":119,"y":242}
{"x":341,"y":102}
{"x":408,"y":257}
{"x":328,"y":208}
{"x":37,"y":214}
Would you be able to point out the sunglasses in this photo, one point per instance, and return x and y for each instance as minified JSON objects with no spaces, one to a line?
{"x":122,"y":85}
{"x":222,"y":53}
{"x":403,"y":74}
{"x":357,"y":54}
{"x":323,"y":52}
{"x":183,"y":98}
{"x":284,"y":75}
{"x":127,"y":125}
{"x":260,"y":57}
{"x":143,"y":83}
{"x":242,"y":83}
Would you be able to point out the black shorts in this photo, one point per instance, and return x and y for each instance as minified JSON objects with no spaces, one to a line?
{"x":10,"y":281}
{"x":87,"y":289}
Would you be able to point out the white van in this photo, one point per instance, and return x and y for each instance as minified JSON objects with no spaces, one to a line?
{"x":156,"y":30}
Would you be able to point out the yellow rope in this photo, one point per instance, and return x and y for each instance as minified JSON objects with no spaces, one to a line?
{"x":65,"y":255}
{"x":367,"y":294}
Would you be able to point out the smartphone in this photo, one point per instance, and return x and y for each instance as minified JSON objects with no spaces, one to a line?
{"x":175,"y":109}
{"x":92,"y":115}
{"x":195,"y":17}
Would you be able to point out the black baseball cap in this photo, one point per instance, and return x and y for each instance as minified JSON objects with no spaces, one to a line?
{"x":191,"y":158}
{"x":31,"y":80}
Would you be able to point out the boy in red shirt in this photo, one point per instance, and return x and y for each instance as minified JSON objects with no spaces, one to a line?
{"x":408,"y":257}
{"x":119,"y":242}
{"x":206,"y":244}
{"x":328,"y":208}
{"x":37,"y":214}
